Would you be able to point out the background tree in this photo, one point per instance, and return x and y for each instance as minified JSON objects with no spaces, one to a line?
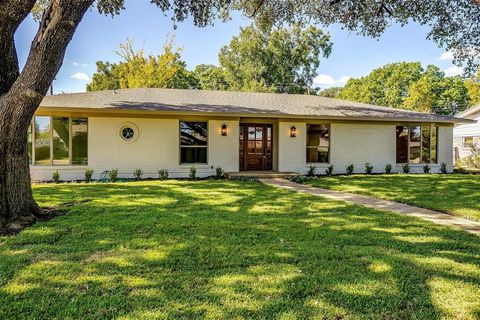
{"x":136,"y":70}
{"x":210,"y":77}
{"x":473,"y":87}
{"x":333,"y":92}
{"x":274,"y":60}
{"x":453,"y":25}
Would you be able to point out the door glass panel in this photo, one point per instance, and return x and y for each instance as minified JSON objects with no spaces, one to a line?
{"x":251,"y":146}
{"x":259,"y":147}
{"x":259,"y":133}
{"x":251,"y":133}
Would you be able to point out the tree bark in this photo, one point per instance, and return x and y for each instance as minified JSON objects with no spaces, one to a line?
{"x":20,"y":100}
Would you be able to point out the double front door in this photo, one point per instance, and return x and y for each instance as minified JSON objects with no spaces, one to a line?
{"x":256,"y":147}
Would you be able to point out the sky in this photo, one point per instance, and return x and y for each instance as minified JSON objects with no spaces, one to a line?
{"x":98,"y":37}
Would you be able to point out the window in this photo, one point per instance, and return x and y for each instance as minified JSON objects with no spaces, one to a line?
{"x":467,"y":142}
{"x":318,"y":143}
{"x":58,"y":141}
{"x":416,"y":144}
{"x":193,"y":142}
{"x":79,"y":141}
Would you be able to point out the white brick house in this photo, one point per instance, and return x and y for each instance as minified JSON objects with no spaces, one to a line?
{"x":467,"y":135}
{"x":172,"y":129}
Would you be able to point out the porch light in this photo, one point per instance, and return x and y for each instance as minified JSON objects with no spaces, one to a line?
{"x":224,"y":130}
{"x":293,"y":132}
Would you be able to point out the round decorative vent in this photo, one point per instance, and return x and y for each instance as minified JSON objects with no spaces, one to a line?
{"x":128,"y":132}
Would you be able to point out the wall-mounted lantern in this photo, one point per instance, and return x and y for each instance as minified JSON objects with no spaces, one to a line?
{"x":224,"y":130}
{"x":293,"y":132}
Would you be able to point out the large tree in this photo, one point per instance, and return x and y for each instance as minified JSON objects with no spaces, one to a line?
{"x":274,"y":60}
{"x":454,"y":25}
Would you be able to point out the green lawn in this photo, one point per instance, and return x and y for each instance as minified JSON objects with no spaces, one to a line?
{"x":456,"y":194}
{"x":232,"y":250}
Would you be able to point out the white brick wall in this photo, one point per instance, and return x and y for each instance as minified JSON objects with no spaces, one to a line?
{"x":156,"y":147}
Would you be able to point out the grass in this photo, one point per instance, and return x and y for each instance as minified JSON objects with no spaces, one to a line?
{"x":455,"y":194}
{"x":232,"y":250}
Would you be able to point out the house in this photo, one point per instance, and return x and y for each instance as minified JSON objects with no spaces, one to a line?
{"x":173,"y":129}
{"x":467,"y":135}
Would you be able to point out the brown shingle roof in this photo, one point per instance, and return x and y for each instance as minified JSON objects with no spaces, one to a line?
{"x":235,"y":103}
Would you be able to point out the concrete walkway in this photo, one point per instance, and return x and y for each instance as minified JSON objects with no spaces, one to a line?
{"x":375,"y":203}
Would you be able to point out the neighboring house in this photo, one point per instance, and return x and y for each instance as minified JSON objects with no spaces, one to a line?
{"x":172,"y":129}
{"x":467,"y":135}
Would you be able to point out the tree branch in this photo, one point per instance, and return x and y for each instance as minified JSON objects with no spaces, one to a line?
{"x":11,"y":15}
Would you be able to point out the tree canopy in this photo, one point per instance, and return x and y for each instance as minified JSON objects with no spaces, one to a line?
{"x":408,"y":85}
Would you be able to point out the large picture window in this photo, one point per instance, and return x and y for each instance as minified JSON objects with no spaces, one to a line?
{"x":416,"y":144}
{"x":318,"y":143}
{"x":193,"y":142}
{"x":58,"y":141}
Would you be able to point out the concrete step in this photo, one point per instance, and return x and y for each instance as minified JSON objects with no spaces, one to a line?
{"x":260,"y":174}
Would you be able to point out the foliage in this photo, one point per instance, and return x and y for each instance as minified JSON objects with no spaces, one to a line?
{"x":443,"y":168}
{"x":219,"y":173}
{"x":163,"y":174}
{"x":137,"y":174}
{"x":329,"y":170}
{"x":406,"y":168}
{"x":407,"y":85}
{"x":455,"y":194}
{"x":210,"y":77}
{"x":388,"y":168}
{"x":113,"y":175}
{"x":136,"y":70}
{"x":350,"y":169}
{"x":368,"y":168}
{"x":274,"y":60}
{"x":426,"y":169}
{"x":473,"y":86}
{"x":312,"y":169}
{"x":193,"y":173}
{"x":88,"y":175}
{"x":471,"y":161}
{"x":333,"y":92}
{"x":56,"y":176}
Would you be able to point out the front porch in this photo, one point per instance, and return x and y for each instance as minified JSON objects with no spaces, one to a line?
{"x":261,"y":174}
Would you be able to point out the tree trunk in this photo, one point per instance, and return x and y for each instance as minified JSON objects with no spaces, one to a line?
{"x":19,"y":99}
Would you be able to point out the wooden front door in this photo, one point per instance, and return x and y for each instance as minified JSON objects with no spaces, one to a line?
{"x":256,"y":147}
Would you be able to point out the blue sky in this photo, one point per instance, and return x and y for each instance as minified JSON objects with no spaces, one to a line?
{"x":98,"y":36}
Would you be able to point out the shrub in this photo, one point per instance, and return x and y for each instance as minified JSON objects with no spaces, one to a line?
{"x":426,"y":169}
{"x":311,"y":171}
{"x":472,"y":161}
{"x":137,"y":174}
{"x":113,"y":175}
{"x":443,"y":168}
{"x":56,"y":176}
{"x":406,"y":168}
{"x":350,"y":169}
{"x":88,"y":175}
{"x":193,"y":173}
{"x":163,"y":174}
{"x":329,"y":171}
{"x":368,"y":168}
{"x":219,"y":173}
{"x":388,"y":168}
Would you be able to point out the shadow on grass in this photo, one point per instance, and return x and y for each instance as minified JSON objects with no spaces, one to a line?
{"x":222,"y":249}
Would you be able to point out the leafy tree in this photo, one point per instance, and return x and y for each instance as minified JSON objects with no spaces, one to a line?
{"x":275,"y":60}
{"x":210,"y":77}
{"x":165,"y":70}
{"x":453,"y":25}
{"x":473,"y":87}
{"x":333,"y":92}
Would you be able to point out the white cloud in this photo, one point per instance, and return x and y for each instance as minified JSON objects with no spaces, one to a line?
{"x":453,"y":71}
{"x":80,"y":76}
{"x":447,"y":55}
{"x":328,"y":80}
{"x":76,"y":64}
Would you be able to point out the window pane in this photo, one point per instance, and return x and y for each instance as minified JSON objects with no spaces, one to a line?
{"x":42,"y":140}
{"x":402,"y":144}
{"x":251,"y":133}
{"x":318,"y":136}
{"x":259,"y":133}
{"x":60,"y":141}
{"x":193,"y":133}
{"x":426,"y":144}
{"x":433,"y":144}
{"x":259,"y":146}
{"x":80,"y":141}
{"x":468,"y":142}
{"x":29,"y":143}
{"x":193,"y":155}
{"x":415,"y":138}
